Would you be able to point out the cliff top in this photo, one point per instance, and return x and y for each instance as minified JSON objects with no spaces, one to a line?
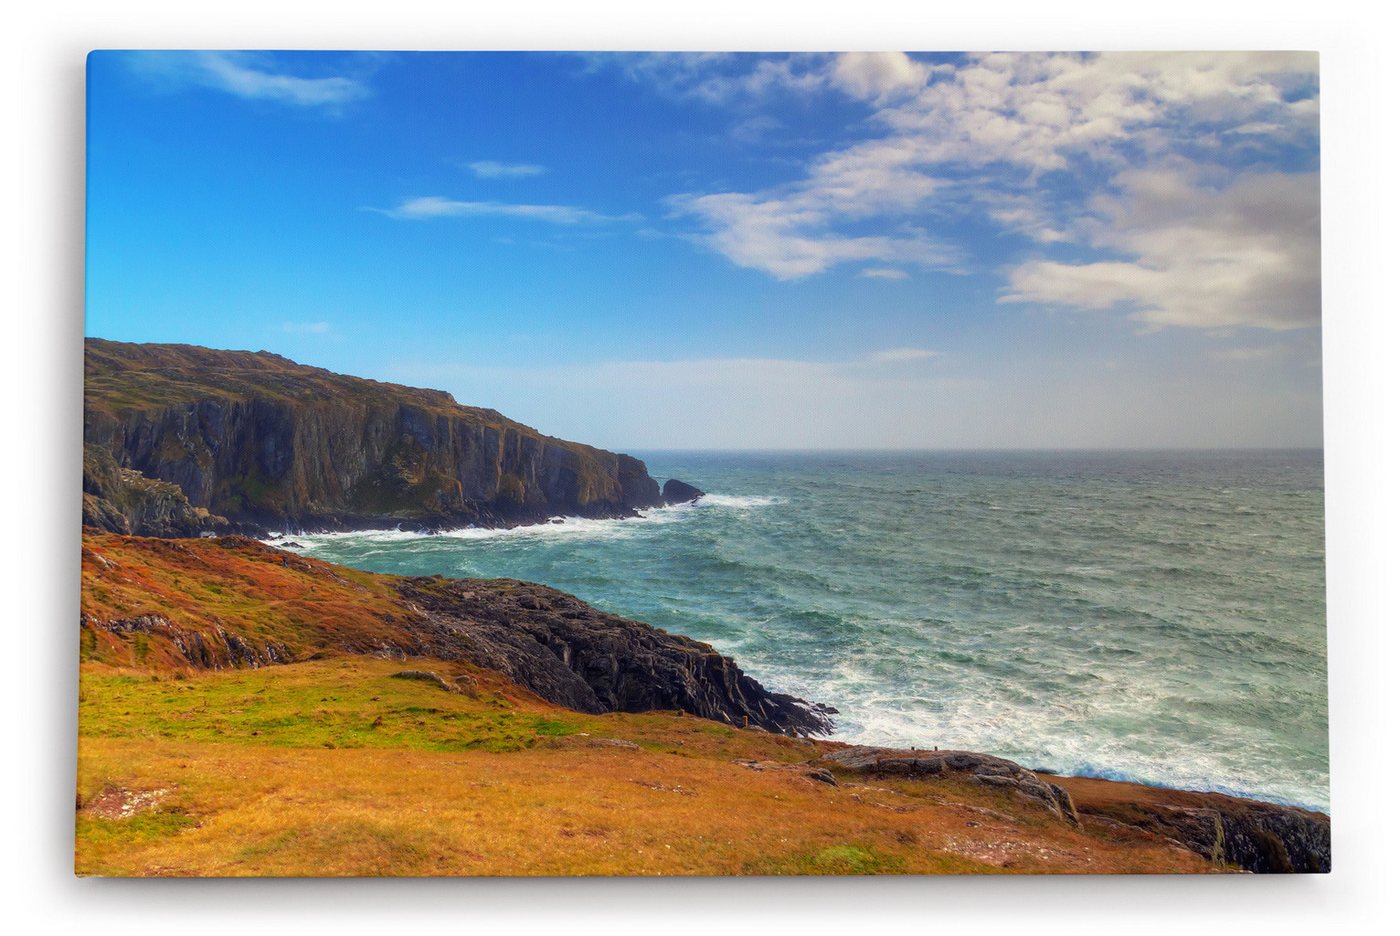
{"x":123,"y":376}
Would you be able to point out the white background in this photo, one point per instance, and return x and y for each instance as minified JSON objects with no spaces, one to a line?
{"x":41,"y":149}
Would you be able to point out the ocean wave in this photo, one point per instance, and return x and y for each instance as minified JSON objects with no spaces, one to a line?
{"x":1036,"y":738}
{"x":554,"y":528}
{"x":738,"y":501}
{"x":560,"y":527}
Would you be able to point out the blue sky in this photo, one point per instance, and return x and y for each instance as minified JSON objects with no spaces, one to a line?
{"x":709,"y":251}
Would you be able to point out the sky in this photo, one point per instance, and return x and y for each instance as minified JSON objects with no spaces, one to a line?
{"x":710,"y":251}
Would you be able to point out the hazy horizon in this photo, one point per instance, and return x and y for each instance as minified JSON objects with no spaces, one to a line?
{"x":738,"y":252}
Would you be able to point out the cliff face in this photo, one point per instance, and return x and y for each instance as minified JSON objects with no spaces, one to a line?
{"x":265,"y":442}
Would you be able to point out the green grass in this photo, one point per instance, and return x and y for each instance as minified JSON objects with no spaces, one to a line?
{"x":111,"y":836}
{"x":837,"y":859}
{"x":328,"y":704}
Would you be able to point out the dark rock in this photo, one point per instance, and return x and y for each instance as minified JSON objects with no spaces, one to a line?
{"x":572,"y":654}
{"x":979,"y":768}
{"x":119,"y":500}
{"x":1264,"y":838}
{"x":289,"y":544}
{"x":221,"y":650}
{"x":678,"y":492}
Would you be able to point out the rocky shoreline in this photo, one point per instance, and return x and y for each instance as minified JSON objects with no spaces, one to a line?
{"x":1264,"y":838}
{"x":572,"y":655}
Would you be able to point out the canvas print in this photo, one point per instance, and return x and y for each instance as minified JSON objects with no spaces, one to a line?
{"x":702,"y":464}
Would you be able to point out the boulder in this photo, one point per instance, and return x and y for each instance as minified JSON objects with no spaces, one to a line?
{"x":967,"y":765}
{"x":678,"y":492}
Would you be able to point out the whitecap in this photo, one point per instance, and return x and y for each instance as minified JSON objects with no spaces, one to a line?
{"x":738,"y":501}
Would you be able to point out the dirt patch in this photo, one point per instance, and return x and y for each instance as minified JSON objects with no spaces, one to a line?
{"x":116,"y":803}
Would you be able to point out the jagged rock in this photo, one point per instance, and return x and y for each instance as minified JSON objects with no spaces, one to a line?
{"x":1261,"y":837}
{"x":572,"y":654}
{"x":271,"y":444}
{"x":120,"y":500}
{"x":678,"y":492}
{"x":220,"y":650}
{"x":980,"y":768}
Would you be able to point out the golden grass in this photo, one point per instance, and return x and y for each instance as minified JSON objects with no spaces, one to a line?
{"x":539,"y":791}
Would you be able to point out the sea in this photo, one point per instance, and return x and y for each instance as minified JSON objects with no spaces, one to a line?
{"x":1157,"y":617}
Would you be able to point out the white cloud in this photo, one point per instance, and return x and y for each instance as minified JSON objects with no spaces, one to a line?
{"x":878,"y":76}
{"x":728,"y":78}
{"x":490,"y":169}
{"x":435,"y":206}
{"x":1246,"y":255}
{"x":719,"y":78}
{"x":1036,"y":111}
{"x":306,"y":328}
{"x":248,"y":76}
{"x":800,"y":229}
{"x":1190,"y":245}
{"x":788,"y":236}
{"x":889,"y":273}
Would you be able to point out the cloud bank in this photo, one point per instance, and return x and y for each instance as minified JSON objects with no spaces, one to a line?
{"x":1155,"y":176}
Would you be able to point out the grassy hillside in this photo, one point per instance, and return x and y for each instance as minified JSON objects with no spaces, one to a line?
{"x":338,"y":753}
{"x":337,"y":767}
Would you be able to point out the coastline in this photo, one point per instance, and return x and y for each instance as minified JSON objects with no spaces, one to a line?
{"x":1223,"y":831}
{"x":582,"y":529}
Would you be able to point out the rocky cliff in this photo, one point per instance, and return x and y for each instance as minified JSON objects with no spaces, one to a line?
{"x":255,"y":441}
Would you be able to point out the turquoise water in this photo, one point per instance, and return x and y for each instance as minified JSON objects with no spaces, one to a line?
{"x":1156,"y":617}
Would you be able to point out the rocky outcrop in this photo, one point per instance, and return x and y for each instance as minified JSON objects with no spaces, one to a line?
{"x":979,"y":768}
{"x":219,"y":650}
{"x":678,"y":492}
{"x":572,"y":654}
{"x":120,"y":500}
{"x":271,"y":444}
{"x":1265,"y":838}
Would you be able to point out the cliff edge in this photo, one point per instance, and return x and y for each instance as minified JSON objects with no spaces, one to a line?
{"x":253,"y":441}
